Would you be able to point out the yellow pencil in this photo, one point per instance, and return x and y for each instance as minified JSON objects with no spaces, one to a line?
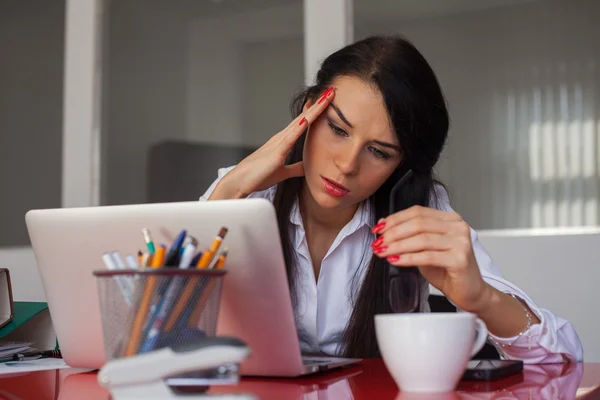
{"x":189,"y":287}
{"x":208,"y":255}
{"x":195,"y":317}
{"x":138,"y":323}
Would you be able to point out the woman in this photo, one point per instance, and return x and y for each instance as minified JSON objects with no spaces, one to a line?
{"x":376,"y":112}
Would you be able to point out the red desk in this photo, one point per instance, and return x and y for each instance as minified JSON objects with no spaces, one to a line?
{"x":369,"y":380}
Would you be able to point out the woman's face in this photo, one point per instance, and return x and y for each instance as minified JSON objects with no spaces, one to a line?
{"x":351,"y":149}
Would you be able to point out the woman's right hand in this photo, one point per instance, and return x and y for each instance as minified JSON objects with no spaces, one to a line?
{"x":265,"y":167}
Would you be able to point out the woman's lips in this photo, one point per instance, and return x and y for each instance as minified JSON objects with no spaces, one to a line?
{"x":333,"y":188}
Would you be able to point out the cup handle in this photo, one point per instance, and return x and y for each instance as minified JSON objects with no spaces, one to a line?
{"x":482,"y":334}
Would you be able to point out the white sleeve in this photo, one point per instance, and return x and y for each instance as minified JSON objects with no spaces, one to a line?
{"x":268,"y":194}
{"x":545,"y":342}
{"x":220,"y":174}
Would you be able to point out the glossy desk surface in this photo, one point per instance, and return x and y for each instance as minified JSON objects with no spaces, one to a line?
{"x":368,"y":380}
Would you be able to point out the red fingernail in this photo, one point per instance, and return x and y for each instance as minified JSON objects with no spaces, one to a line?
{"x":377,"y":242}
{"x":303,"y":120}
{"x":377,"y":228}
{"x":325,"y":94}
{"x":380,"y":249}
{"x":393,"y":258}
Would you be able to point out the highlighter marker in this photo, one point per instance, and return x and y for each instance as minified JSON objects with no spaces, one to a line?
{"x":148,"y":240}
{"x":124,"y":287}
{"x":131,"y":262}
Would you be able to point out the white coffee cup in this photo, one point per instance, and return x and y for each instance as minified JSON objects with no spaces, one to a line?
{"x":428,"y":352}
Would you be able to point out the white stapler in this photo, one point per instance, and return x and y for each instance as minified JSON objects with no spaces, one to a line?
{"x":212,"y":360}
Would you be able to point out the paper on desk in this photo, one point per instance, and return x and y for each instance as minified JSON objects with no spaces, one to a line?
{"x":18,"y":367}
{"x":10,"y":348}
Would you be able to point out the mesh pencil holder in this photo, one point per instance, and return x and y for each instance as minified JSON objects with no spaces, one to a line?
{"x":146,"y":310}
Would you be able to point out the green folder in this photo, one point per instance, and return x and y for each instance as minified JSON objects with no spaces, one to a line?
{"x":24,"y":311}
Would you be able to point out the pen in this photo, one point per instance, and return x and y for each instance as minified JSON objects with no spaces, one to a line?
{"x":188,"y":240}
{"x":36,"y":355}
{"x":148,"y":240}
{"x":188,"y":253}
{"x":189,"y":287}
{"x":196,"y":258}
{"x":172,"y":257}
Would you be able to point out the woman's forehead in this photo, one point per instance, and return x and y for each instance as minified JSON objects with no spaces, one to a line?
{"x":363,"y":106}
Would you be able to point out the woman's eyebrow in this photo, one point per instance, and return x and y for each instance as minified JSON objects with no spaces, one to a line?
{"x":390,"y":145}
{"x":343,"y":118}
{"x":341,"y":115}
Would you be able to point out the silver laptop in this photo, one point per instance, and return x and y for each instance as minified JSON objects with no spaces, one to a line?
{"x":255,"y":304}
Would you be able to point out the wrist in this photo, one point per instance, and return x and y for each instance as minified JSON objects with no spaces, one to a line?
{"x":227,"y":189}
{"x":488,"y":297}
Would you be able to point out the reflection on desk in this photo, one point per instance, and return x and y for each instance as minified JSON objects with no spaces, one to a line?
{"x":368,"y":380}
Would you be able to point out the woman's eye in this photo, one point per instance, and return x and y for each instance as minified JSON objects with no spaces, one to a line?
{"x":336,"y":129}
{"x":379,"y":154}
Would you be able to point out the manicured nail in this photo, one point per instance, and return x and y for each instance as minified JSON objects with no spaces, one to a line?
{"x":393,"y":258}
{"x":378,"y":242}
{"x":380,"y":249}
{"x":378,"y":228}
{"x":303,"y":120}
{"x":325,"y":94}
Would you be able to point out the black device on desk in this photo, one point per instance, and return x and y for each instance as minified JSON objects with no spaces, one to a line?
{"x":491,"y":369}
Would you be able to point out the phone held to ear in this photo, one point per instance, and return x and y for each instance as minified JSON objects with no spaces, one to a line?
{"x":487,"y":370}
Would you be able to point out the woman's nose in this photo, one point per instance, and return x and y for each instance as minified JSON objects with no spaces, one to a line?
{"x":348,"y":162}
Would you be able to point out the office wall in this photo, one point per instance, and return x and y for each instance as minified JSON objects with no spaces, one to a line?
{"x":241,"y":80}
{"x":521,"y":81}
{"x":523,"y":88}
{"x":145,"y":92}
{"x":31,"y":95}
{"x":31,"y":79}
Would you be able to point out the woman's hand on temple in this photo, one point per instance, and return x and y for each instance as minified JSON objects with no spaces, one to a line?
{"x":265,"y":167}
{"x":439,"y":244}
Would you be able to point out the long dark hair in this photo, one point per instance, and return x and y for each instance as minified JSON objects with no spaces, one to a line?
{"x":417,"y":109}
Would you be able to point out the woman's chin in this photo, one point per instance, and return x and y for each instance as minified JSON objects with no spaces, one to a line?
{"x":329,"y":202}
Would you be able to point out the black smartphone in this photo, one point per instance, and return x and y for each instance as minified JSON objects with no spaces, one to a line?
{"x":488,"y":370}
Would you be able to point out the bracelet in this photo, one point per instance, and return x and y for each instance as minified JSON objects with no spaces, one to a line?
{"x":529,"y":323}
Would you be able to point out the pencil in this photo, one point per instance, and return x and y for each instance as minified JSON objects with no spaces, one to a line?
{"x":146,"y":260}
{"x":138,"y":323}
{"x":195,"y":317}
{"x":209,"y":254}
{"x":189,"y":287}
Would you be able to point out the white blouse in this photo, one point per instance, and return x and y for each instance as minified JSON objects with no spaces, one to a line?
{"x":324,"y":305}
